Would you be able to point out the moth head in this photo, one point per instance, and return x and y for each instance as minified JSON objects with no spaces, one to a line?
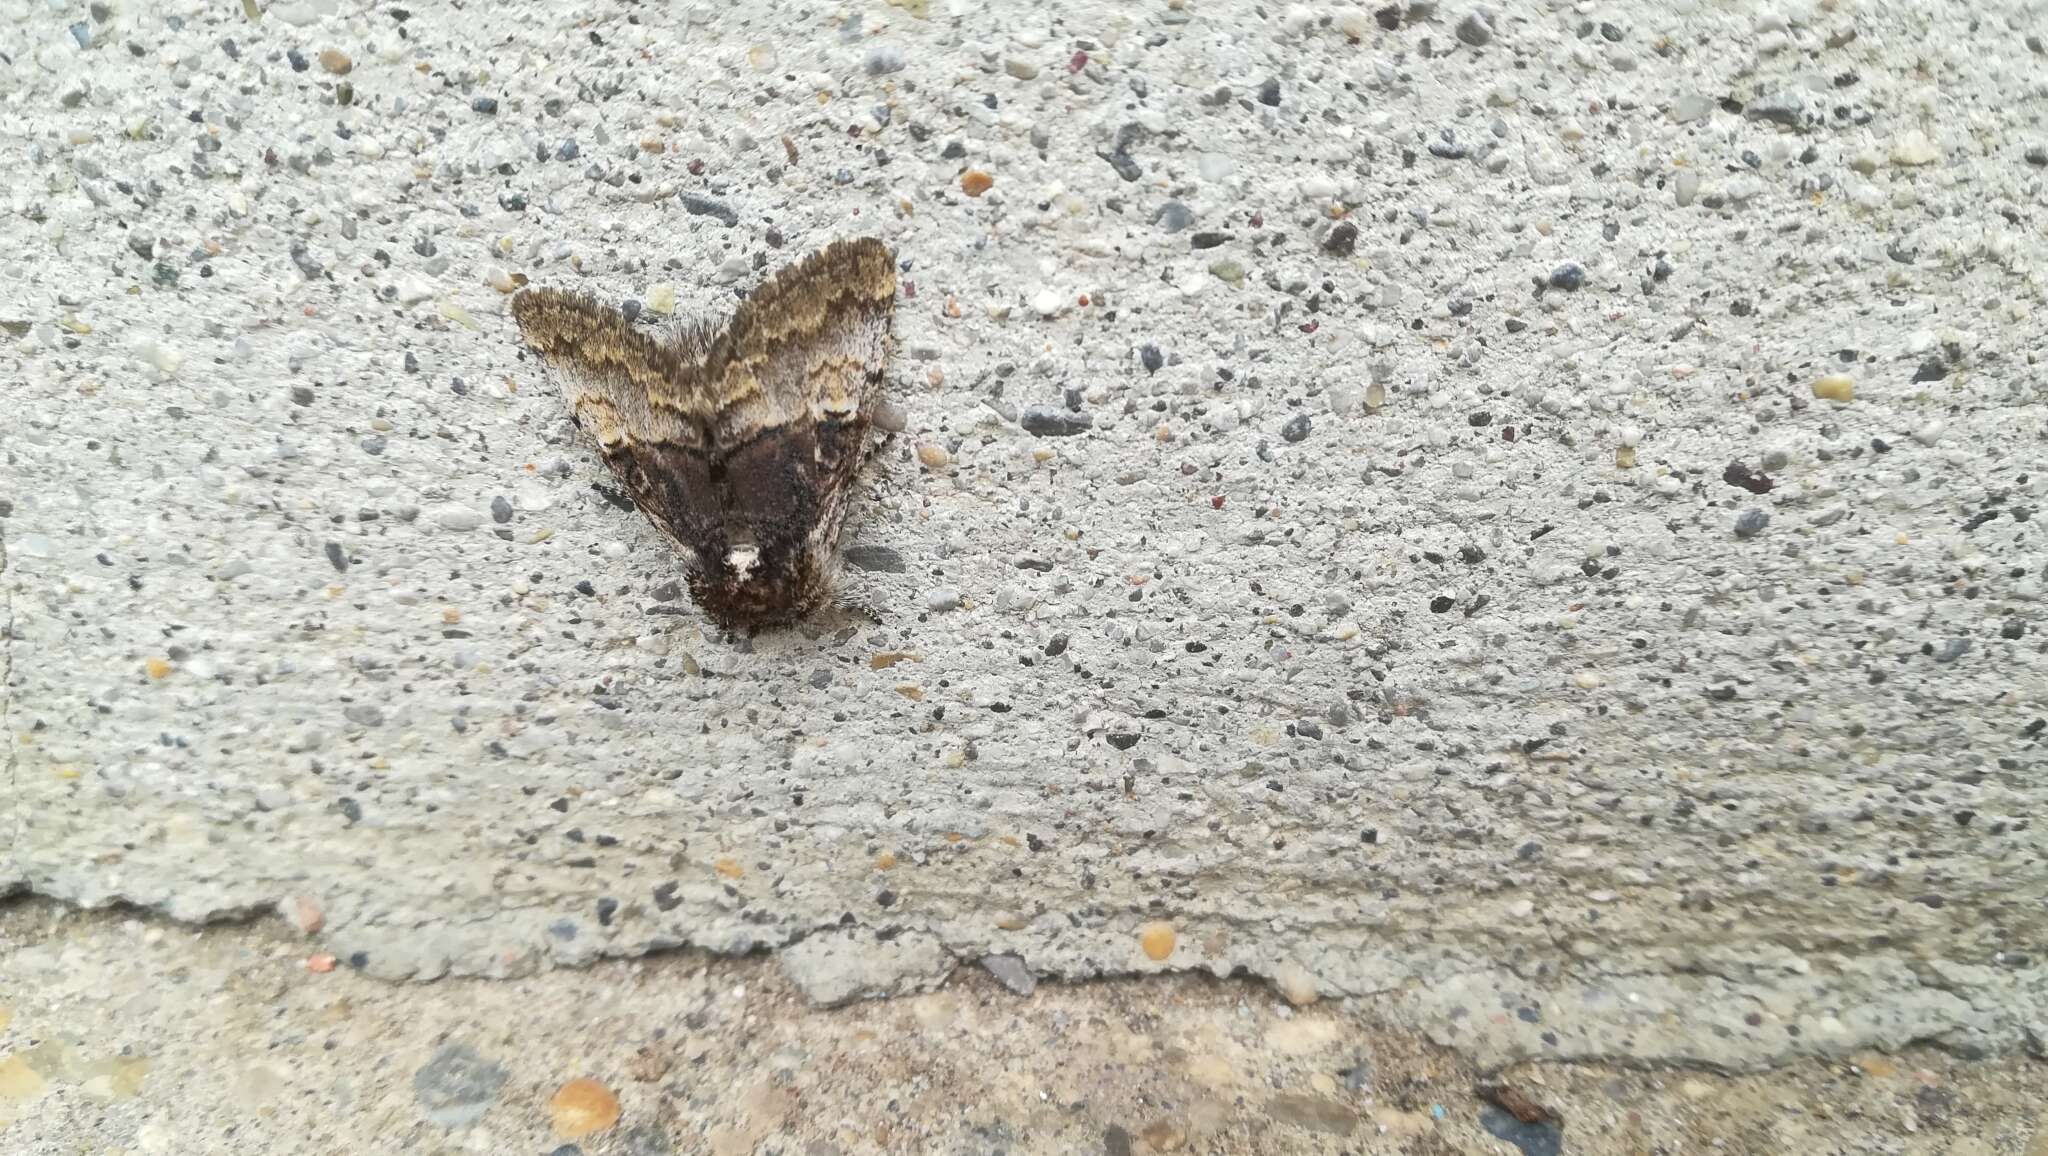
{"x":746,"y":586}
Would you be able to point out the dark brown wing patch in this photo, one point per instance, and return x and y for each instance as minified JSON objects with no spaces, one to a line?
{"x":742,"y":445}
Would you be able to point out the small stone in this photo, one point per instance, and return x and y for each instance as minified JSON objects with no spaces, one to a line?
{"x":1227,"y":271}
{"x":1126,"y":166}
{"x":883,"y":59}
{"x":1783,"y":107}
{"x":487,"y":105}
{"x":2037,"y":155}
{"x":1835,"y":387}
{"x":698,"y":206}
{"x":568,"y":150}
{"x":1685,"y":187}
{"x":1172,"y":217}
{"x":1297,"y":985}
{"x":941,"y":599}
{"x":1010,"y":971}
{"x":582,"y":1106}
{"x":1020,"y":68}
{"x":974,"y":182}
{"x":1913,"y":149}
{"x":875,"y":559}
{"x":1156,"y":940}
{"x":1054,"y":422}
{"x":1750,"y":523}
{"x":1475,"y":30}
{"x":1297,"y":428}
{"x":1048,"y":303}
{"x":1691,"y":106}
{"x":933,"y":456}
{"x":1341,"y":240}
{"x":157,"y":668}
{"x":1150,"y":357}
{"x":501,"y":510}
{"x":1568,"y":277}
{"x":1269,"y":93}
{"x":457,"y":518}
{"x":456,"y":1087}
{"x":336,"y":61}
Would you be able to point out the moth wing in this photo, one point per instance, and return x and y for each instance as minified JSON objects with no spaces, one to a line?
{"x":636,"y":396}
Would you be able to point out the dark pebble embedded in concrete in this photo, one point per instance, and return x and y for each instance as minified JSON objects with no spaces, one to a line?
{"x":1052,"y":422}
{"x":1342,"y":239}
{"x":1568,"y":276}
{"x":875,"y":559}
{"x":457,"y":1086}
{"x":1297,"y":427}
{"x":487,"y":105}
{"x":1150,"y":357}
{"x":698,"y":206}
{"x":501,"y":510}
{"x":1475,"y":30}
{"x":1173,"y":216}
{"x":1750,"y":523}
{"x":1124,"y":164}
{"x":1011,"y":972}
{"x":1269,"y":94}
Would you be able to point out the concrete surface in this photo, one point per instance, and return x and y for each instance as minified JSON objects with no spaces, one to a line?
{"x":220,"y":1040}
{"x":1524,"y":521}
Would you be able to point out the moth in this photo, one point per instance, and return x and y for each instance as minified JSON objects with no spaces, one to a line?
{"x":743,"y":442}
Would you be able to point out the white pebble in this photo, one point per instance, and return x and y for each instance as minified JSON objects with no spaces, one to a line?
{"x":1049,"y":302}
{"x":1913,"y":148}
{"x":942,"y":598}
{"x":457,"y":518}
{"x":163,"y":357}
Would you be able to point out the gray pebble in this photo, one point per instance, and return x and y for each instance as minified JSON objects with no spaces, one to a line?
{"x":304,"y":259}
{"x":501,"y":510}
{"x":487,"y":105}
{"x":1011,"y":972}
{"x":458,"y":518}
{"x":1568,"y":277}
{"x":884,"y":59}
{"x":568,"y":150}
{"x":1269,"y":94}
{"x":1475,"y":30}
{"x":698,"y":206}
{"x":364,"y":714}
{"x":1172,"y":217}
{"x":1122,"y":162}
{"x":1297,"y":427}
{"x":875,"y":559}
{"x":1750,"y":523}
{"x":1952,"y":649}
{"x":1782,"y":107}
{"x":456,"y":1087}
{"x":941,"y":599}
{"x":1053,"y":422}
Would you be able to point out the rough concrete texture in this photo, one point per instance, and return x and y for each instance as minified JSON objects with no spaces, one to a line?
{"x":219,"y":1040}
{"x":1525,"y":520}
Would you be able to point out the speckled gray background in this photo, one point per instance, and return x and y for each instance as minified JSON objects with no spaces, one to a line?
{"x":1593,"y":686}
